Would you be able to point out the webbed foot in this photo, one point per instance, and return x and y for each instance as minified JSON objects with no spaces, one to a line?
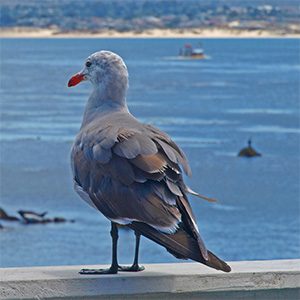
{"x":98,"y":271}
{"x":133,"y":268}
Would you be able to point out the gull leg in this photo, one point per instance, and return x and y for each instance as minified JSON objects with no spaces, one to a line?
{"x":135,"y":266}
{"x":114,"y":265}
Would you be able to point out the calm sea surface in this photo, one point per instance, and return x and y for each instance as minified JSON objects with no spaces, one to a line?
{"x":247,"y":88}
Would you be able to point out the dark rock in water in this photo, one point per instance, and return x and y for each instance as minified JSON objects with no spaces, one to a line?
{"x":6,"y":217}
{"x":32,"y":213}
{"x":31,"y":217}
{"x":59,"y":220}
{"x":1,"y":226}
{"x":249,"y":151}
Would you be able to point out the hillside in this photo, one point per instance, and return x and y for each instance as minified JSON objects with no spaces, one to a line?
{"x":126,"y":15}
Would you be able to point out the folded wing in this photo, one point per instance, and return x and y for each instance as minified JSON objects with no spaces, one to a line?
{"x":133,"y":175}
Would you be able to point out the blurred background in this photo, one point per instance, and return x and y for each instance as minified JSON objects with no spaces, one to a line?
{"x":212,"y":74}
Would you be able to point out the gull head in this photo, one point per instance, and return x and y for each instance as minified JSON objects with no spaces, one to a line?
{"x":106,"y":71}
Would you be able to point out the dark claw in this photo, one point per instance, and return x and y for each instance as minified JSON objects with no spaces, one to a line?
{"x":133,"y":268}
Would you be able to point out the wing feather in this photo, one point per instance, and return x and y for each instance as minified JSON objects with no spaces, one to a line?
{"x":128,"y":148}
{"x":100,"y":154}
{"x":170,"y":148}
{"x":134,"y":145}
{"x":134,"y":175}
{"x":150,"y":163}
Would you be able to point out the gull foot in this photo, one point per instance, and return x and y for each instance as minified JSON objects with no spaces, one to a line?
{"x":133,"y":268}
{"x":98,"y":271}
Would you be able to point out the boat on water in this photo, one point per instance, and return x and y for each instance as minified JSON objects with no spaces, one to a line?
{"x":189,"y":52}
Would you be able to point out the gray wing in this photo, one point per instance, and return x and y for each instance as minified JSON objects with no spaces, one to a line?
{"x":132,"y":172}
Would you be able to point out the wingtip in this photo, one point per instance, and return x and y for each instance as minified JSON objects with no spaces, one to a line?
{"x":227,"y":269}
{"x":217,"y":263}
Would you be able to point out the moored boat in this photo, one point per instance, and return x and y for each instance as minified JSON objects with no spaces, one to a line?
{"x":192,"y":53}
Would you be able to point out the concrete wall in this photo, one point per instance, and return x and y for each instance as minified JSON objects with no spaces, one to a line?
{"x":278,"y":279}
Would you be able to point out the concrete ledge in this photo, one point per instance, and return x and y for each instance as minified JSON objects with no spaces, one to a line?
{"x":277,"y":279}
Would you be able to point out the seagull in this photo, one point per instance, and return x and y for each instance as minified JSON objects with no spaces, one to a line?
{"x":132,"y":172}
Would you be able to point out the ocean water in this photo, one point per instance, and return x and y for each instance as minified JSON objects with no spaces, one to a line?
{"x":246,"y":88}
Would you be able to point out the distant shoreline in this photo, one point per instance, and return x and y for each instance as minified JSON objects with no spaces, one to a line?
{"x":29,"y":32}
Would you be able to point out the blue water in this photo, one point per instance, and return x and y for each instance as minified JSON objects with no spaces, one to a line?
{"x":247,"y":88}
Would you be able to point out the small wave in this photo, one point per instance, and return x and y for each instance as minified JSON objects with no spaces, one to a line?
{"x":42,"y":125}
{"x":196,"y":142}
{"x":225,"y":207}
{"x":182,"y":58}
{"x":271,"y":111}
{"x":270,"y":129}
{"x":145,"y":104}
{"x":9,"y":137}
{"x":225,"y":153}
{"x":34,"y":169}
{"x":186,"y":121}
{"x":212,"y":84}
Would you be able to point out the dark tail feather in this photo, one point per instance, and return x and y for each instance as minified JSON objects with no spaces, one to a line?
{"x":217,"y":263}
{"x":181,"y":245}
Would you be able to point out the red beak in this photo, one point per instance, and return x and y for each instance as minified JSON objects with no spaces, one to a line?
{"x":77,"y":78}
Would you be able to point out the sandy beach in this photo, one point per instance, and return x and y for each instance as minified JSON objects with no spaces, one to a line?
{"x":29,"y":32}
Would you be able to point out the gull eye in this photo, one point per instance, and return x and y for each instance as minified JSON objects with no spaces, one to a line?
{"x":88,"y":64}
